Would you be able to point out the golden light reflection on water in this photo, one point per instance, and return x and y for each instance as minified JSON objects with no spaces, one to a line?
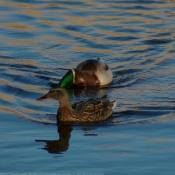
{"x":67,"y":6}
{"x":139,"y":47}
{"x":7,"y":97}
{"x":23,"y":62}
{"x":71,"y":20}
{"x":84,"y":49}
{"x":163,"y":5}
{"x":146,"y":20}
{"x":48,"y":22}
{"x":23,"y":42}
{"x":33,"y":12}
{"x":19,"y":5}
{"x":20,"y":27}
{"x":77,"y":34}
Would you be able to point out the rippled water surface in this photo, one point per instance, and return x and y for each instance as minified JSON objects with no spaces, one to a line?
{"x":41,"y":40}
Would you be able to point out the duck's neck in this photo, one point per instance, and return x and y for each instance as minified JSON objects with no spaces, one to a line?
{"x":65,"y":104}
{"x":64,"y":112}
{"x":64,"y":101}
{"x":68,"y":79}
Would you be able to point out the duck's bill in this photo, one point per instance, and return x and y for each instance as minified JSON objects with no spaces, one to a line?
{"x":43,"y":97}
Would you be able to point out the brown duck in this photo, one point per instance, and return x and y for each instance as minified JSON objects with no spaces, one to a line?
{"x":91,"y":110}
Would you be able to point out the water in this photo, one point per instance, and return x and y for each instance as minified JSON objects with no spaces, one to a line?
{"x":41,"y":40}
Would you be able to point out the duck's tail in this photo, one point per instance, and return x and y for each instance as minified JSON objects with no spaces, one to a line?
{"x":114,"y":103}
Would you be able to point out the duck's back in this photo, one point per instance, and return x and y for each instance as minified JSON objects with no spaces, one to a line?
{"x":92,"y":66}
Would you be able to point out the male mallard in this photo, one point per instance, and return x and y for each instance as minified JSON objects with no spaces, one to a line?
{"x":91,"y":110}
{"x":88,"y":73}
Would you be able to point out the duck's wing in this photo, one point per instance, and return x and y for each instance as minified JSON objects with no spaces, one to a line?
{"x":94,"y":109}
{"x":81,"y":105}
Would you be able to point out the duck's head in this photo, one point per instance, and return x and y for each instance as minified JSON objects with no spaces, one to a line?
{"x":68,"y":80}
{"x":58,"y":93}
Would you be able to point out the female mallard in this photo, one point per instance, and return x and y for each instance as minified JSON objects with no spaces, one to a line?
{"x":91,"y":110}
{"x":88,"y":73}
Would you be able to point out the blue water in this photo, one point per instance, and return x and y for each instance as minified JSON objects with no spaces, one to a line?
{"x":41,"y":40}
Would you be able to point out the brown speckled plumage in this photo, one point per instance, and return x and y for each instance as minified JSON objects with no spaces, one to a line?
{"x":91,"y":110}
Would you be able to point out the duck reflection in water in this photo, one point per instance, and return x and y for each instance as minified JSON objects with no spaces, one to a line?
{"x":64,"y":131}
{"x":61,"y":145}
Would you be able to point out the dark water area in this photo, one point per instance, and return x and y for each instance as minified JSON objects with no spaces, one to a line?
{"x":41,"y":40}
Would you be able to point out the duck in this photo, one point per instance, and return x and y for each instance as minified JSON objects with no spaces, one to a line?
{"x":89,"y":73}
{"x":91,"y":110}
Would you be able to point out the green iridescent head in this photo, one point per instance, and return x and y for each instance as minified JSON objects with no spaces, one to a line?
{"x":67,"y":80}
